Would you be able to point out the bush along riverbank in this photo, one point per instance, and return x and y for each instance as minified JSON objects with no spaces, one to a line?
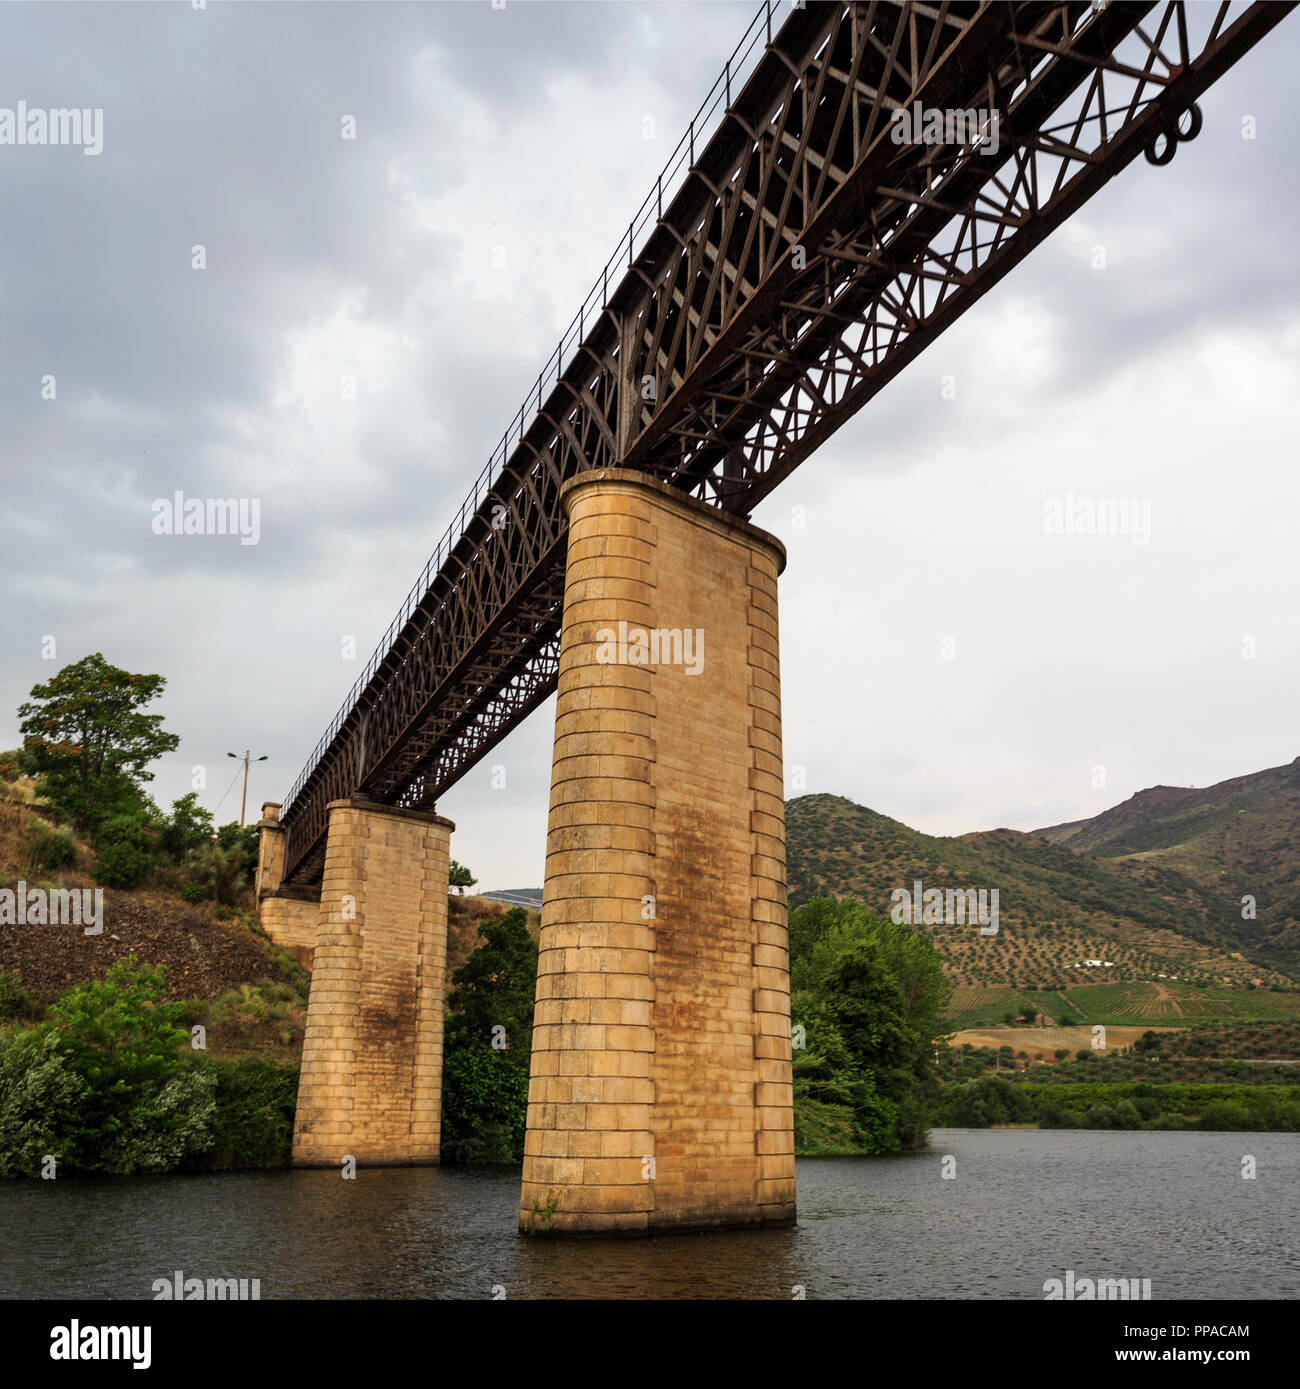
{"x":992,"y":1101}
{"x":110,"y":1082}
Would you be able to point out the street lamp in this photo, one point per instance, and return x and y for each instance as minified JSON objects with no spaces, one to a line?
{"x":243,"y":804}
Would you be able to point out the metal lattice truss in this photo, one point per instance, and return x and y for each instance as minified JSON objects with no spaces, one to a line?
{"x":817,"y":244}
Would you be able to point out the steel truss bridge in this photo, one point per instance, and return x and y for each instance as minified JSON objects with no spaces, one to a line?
{"x":792,"y":258}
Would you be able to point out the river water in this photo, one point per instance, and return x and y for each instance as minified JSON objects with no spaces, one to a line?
{"x":1022,"y":1207}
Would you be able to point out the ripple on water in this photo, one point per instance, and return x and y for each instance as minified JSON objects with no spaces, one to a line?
{"x":1023,"y":1207}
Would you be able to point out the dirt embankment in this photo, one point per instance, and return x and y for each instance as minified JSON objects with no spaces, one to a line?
{"x":200,"y":956}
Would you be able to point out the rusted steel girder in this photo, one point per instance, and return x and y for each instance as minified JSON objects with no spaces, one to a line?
{"x":806,"y":257}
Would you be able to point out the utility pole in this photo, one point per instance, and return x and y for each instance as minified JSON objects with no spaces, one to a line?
{"x":243,"y":804}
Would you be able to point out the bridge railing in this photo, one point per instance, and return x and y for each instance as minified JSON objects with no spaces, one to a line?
{"x":737,"y":69}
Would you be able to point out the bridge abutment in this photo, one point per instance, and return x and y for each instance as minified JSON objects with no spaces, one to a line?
{"x":288,"y":914}
{"x":371,"y":1080}
{"x":661,"y":1093}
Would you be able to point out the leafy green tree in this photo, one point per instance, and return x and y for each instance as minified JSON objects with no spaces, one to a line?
{"x":88,"y":739}
{"x":879,"y":985}
{"x":487,"y":1047}
{"x":460,"y":877}
{"x":188,"y":829}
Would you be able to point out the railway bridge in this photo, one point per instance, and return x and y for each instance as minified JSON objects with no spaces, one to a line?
{"x":861,"y":173}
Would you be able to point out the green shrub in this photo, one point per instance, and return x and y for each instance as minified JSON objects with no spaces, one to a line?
{"x":1225,"y":1116}
{"x":15,"y":1001}
{"x":50,"y":849}
{"x":122,"y":865}
{"x":139,"y":1111}
{"x":39,"y":1090}
{"x":252,"y":1120}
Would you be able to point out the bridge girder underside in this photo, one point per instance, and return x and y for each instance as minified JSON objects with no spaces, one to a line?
{"x":805,"y":260}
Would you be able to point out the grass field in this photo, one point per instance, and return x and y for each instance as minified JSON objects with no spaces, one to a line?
{"x":1150,"y":1004}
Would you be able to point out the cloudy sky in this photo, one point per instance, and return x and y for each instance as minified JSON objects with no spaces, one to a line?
{"x":945,"y":661}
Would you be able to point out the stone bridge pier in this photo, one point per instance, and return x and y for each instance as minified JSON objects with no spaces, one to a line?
{"x":661,"y":1094}
{"x":375,"y":935}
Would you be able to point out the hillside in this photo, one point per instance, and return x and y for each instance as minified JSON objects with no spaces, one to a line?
{"x":1057,"y":908}
{"x":205,"y":950}
{"x":1238,"y":838}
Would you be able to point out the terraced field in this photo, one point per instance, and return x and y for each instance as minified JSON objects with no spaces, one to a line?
{"x":1154,"y":1003}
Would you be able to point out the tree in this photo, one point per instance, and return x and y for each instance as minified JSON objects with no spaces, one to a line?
{"x":189,"y":828}
{"x":460,"y":877}
{"x":88,"y":740}
{"x":879,"y":985}
{"x":488,"y":1046}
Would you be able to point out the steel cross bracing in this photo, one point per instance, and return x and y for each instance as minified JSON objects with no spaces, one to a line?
{"x":806,"y":258}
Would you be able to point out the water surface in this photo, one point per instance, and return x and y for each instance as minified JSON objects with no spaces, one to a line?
{"x":1023,"y":1207}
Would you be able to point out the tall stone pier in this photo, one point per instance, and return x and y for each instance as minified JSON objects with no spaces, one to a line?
{"x":661,"y":1094}
{"x":371,"y":1080}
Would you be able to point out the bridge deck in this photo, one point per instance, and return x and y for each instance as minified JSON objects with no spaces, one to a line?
{"x":805,"y":257}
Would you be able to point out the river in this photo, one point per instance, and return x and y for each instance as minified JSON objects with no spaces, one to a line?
{"x":1022,"y":1207}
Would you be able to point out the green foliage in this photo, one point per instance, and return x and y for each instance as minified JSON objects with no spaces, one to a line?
{"x":140,"y":1112}
{"x":106,"y":1086}
{"x":49,"y":849}
{"x":188,"y":829}
{"x":868,"y":993}
{"x":485,"y":1084}
{"x":15,"y":1001}
{"x":122,"y":865}
{"x":87,"y":738}
{"x":460,"y":877}
{"x":252,"y":1122}
{"x":1225,"y":1115}
{"x":221,"y":867}
{"x":1239,"y":1108}
{"x":38,"y":1089}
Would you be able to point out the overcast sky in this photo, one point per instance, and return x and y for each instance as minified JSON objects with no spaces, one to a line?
{"x":944,"y":660}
